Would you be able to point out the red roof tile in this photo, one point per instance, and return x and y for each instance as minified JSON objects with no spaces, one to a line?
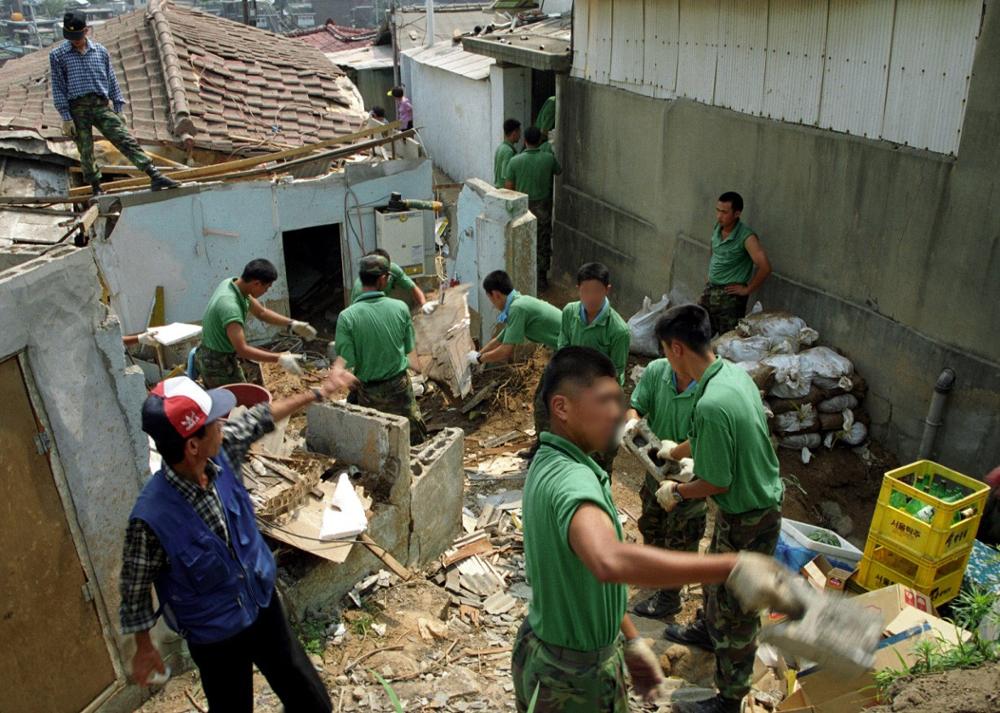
{"x":334,"y":38}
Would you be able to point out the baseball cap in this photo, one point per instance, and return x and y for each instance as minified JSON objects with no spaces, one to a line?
{"x":74,"y":25}
{"x":179,"y":407}
{"x":373,"y":265}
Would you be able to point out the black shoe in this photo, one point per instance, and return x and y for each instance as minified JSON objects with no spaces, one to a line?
{"x":95,"y":188}
{"x":694,"y":634}
{"x":664,"y":603}
{"x":709,"y":705}
{"x":157,"y":181}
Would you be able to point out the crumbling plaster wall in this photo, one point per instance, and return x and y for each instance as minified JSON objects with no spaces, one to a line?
{"x":190,"y":240}
{"x":892,"y":254}
{"x":51,"y":314}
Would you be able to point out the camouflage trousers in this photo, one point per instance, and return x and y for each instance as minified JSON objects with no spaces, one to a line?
{"x":732,"y":630}
{"x":605,"y":459}
{"x":724,"y":310}
{"x":217,"y":369}
{"x":567,"y":681}
{"x":393,"y":396}
{"x":542,"y":210}
{"x":91,"y":111}
{"x":680,"y":529}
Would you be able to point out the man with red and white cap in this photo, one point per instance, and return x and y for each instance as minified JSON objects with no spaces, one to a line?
{"x":193,"y":536}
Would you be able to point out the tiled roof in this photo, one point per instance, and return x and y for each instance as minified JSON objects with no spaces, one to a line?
{"x":334,"y":38}
{"x":189,"y":76}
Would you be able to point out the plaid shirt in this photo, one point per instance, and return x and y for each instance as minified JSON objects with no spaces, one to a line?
{"x":144,"y":558}
{"x":75,"y":74}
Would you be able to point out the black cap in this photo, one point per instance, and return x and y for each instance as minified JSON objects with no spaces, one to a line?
{"x":74,"y":25}
{"x":373,"y":265}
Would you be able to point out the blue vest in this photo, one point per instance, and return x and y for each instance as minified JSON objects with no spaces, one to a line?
{"x":207,"y":591}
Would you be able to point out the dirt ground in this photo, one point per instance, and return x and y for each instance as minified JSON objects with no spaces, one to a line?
{"x":975,"y":691}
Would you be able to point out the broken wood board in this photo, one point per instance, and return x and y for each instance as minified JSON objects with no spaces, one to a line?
{"x":501,"y":440}
{"x":387,"y":559}
{"x":300,"y":529}
{"x":476,"y":547}
{"x":443,"y":339}
{"x":480,"y":396}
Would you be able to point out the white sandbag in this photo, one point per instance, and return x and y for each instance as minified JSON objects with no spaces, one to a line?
{"x":642,"y":327}
{"x":838,"y":403}
{"x":824,"y":362}
{"x":844,"y":383}
{"x":801,"y":419}
{"x":800,"y":440}
{"x":854,"y":436}
{"x":735,"y":348}
{"x":790,"y":381}
{"x":778,"y":324}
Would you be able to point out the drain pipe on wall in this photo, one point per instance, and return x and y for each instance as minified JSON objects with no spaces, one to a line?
{"x":945,"y":383}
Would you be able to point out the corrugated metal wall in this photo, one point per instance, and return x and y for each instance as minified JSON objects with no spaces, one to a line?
{"x":891,"y":69}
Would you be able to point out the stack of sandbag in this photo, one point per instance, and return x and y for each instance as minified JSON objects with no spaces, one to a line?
{"x":812,"y":394}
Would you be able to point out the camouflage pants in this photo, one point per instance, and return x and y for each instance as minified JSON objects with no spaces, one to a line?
{"x":542,"y":210}
{"x":724,"y":310}
{"x":567,"y":681}
{"x":92,"y":110}
{"x":734,"y":631}
{"x":393,"y":396}
{"x":218,"y":368}
{"x":681,"y":529}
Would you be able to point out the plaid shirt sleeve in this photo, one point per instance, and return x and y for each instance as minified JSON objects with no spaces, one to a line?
{"x":114,"y":91}
{"x":60,"y":92}
{"x":142,"y":561}
{"x":240,"y":433}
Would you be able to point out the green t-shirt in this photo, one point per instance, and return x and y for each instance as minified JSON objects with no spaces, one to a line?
{"x":655,"y":397}
{"x":501,"y":157}
{"x":374,"y":335}
{"x":530,"y":319}
{"x":569,"y":606}
{"x":608,"y":334}
{"x":397,"y":278}
{"x":532,"y":171}
{"x":546,"y":119}
{"x":730,"y":442}
{"x":227,"y":305}
{"x":730,"y":263}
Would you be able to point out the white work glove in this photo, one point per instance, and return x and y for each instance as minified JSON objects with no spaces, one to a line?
{"x":291,"y":363}
{"x":303,"y":329}
{"x":148,"y":339}
{"x":644,"y":668}
{"x":69,"y":128}
{"x":665,"y":449}
{"x":687,"y":467}
{"x":472,"y":358}
{"x":760,"y":582}
{"x":429,"y":307}
{"x":665,"y":495}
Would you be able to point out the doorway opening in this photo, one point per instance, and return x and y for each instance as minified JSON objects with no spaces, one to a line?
{"x":543,"y":86}
{"x":315,"y":273}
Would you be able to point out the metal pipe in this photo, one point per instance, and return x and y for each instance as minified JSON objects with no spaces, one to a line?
{"x":945,"y":383}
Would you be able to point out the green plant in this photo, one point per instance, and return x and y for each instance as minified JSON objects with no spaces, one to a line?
{"x":312,"y":634}
{"x":972,"y":605}
{"x":393,"y":698}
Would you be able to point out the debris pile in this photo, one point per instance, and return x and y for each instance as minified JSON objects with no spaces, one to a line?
{"x":812,"y":393}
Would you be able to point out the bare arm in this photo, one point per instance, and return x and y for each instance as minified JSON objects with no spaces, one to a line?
{"x":234,"y":330}
{"x":698,"y":489}
{"x":593,"y":539}
{"x":760,"y":261}
{"x":632,"y":414}
{"x":683,"y":450}
{"x":628,"y":629}
{"x":501,"y":352}
{"x":268,"y":315}
{"x":418,"y":295}
{"x":509,"y":185}
{"x":336,"y":379}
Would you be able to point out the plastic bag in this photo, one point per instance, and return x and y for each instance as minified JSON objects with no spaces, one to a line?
{"x":838,"y":403}
{"x":824,"y":362}
{"x":793,"y":421}
{"x":761,"y":374}
{"x":855,"y":436}
{"x":735,"y":348}
{"x":796,"y":441}
{"x":642,"y":327}
{"x":778,"y":324}
{"x":790,"y":381}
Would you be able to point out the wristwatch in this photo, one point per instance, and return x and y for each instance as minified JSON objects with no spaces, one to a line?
{"x":677,"y":494}
{"x":318,"y":394}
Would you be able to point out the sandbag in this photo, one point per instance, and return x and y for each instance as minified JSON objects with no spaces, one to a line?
{"x":796,"y":441}
{"x":838,"y":403}
{"x":823,"y":362}
{"x":762,"y":375}
{"x":642,"y":327}
{"x":814,"y":396}
{"x":778,"y":324}
{"x":857,"y":435}
{"x":790,"y":382}
{"x":801,"y":419}
{"x":734,"y":348}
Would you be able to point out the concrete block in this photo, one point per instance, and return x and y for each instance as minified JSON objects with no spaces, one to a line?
{"x":436,"y":495}
{"x":375,"y":442}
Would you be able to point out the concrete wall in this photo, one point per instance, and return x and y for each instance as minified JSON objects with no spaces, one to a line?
{"x":50,"y":313}
{"x":190,"y":240}
{"x":892,"y":254}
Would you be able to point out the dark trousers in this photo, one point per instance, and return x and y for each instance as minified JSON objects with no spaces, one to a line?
{"x":226,"y":667}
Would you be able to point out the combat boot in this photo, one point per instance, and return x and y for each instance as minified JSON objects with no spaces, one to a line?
{"x":157,"y":181}
{"x":665,"y":602}
{"x":694,"y":634}
{"x":95,"y":188}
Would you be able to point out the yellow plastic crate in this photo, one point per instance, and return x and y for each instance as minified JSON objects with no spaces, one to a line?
{"x":882,"y":566}
{"x":941,"y":538}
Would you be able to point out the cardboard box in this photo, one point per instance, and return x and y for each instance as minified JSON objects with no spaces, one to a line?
{"x":890,"y":601}
{"x":822,"y":574}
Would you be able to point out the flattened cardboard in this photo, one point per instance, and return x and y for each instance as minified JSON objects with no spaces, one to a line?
{"x":822,"y":574}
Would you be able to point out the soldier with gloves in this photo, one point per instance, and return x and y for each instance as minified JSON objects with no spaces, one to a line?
{"x":86,"y":94}
{"x":223,"y":337}
{"x":576,"y":646}
{"x":737,"y":467}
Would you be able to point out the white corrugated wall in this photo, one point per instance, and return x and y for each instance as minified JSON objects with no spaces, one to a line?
{"x":871,"y":68}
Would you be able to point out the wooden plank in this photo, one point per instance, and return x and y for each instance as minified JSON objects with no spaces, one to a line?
{"x":383,"y":554}
{"x":477,"y":547}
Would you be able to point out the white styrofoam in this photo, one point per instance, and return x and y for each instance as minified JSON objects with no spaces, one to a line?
{"x":800,"y":531}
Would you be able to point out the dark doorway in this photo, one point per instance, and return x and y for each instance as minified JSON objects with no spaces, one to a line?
{"x":315,"y":275}
{"x":543,"y":86}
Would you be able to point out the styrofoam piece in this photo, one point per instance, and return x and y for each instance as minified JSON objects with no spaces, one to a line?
{"x":346,"y":515}
{"x":175,"y":332}
{"x":800,"y":531}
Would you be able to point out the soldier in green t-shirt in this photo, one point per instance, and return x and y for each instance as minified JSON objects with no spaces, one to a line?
{"x":572,"y":652}
{"x":398,"y":280}
{"x":223,"y":337}
{"x":735,"y":251}
{"x":506,"y":150}
{"x":735,"y":465}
